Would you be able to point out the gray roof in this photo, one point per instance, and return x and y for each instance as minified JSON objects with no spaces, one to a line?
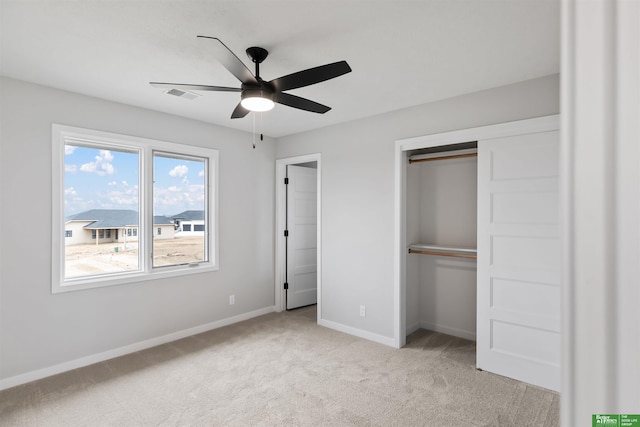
{"x":190,"y":216}
{"x":113,"y":218}
{"x":161,"y":220}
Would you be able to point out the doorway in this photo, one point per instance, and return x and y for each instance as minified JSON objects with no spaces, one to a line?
{"x":298,"y":233}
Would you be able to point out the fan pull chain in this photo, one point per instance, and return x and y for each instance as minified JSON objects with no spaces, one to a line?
{"x":253,"y":135}
{"x":261,"y":128}
{"x":254,"y":130}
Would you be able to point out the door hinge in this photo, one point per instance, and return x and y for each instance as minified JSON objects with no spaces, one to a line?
{"x":286,"y":233}
{"x":286,"y":285}
{"x":286,"y":181}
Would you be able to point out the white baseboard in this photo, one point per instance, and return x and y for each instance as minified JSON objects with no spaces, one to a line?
{"x":358,"y":333}
{"x":131,"y":348}
{"x":447,"y":330}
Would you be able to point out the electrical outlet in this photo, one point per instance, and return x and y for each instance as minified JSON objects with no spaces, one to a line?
{"x":363,"y":311}
{"x":232,"y":299}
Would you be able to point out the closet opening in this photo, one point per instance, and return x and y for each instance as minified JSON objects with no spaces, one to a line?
{"x":478,"y":244}
{"x":441,"y":230}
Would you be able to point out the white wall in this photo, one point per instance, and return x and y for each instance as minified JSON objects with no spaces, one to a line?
{"x":358,"y":191}
{"x":78,"y":234}
{"x":39,"y":330}
{"x":166,"y":232}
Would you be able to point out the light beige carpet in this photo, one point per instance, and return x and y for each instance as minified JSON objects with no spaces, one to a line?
{"x":283,"y":369}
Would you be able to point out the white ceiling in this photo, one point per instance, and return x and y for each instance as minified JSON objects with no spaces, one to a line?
{"x":402,"y":53}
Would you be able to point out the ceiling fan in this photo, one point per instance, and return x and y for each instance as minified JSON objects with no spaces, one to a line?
{"x":259,"y":95}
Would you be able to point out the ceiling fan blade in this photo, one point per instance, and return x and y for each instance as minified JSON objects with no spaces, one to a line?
{"x":194,"y":87}
{"x":231,"y":62}
{"x":311,"y":76}
{"x":239,"y":112}
{"x":300,"y":103}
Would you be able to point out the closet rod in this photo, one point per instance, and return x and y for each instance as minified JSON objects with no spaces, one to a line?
{"x":453,"y":156}
{"x":455,"y":255}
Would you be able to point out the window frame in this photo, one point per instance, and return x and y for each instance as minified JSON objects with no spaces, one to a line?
{"x":180,"y":156}
{"x":62,"y":135}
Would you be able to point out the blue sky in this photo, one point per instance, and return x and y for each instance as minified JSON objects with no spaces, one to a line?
{"x":108,"y":179}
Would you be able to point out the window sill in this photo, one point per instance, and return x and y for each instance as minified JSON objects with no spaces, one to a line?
{"x":82,"y":283}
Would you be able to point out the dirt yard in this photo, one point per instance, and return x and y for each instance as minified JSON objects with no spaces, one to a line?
{"x":83,"y":260}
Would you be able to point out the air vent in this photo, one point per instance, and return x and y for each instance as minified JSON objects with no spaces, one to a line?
{"x":182,"y":94}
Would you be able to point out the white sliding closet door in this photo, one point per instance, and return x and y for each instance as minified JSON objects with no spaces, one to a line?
{"x":519,"y":258}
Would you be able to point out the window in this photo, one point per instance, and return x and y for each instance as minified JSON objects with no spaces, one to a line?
{"x":186,"y":227}
{"x":198,"y":227}
{"x":174,"y":173}
{"x":103,"y":182}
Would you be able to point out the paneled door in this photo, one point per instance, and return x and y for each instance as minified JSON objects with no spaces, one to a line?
{"x":519,"y":258}
{"x":302,"y":236}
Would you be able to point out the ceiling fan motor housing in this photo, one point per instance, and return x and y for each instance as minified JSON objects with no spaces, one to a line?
{"x":260,"y":92}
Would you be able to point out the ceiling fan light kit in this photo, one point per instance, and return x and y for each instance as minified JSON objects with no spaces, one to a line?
{"x":255,"y":93}
{"x":257,"y":100}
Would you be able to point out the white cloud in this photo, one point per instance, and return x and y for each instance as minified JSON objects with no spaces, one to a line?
{"x":121,"y":201}
{"x":131,"y":190}
{"x":125,"y":184}
{"x":174,"y":199}
{"x":102,"y":166}
{"x":105,"y":154}
{"x":73,"y":203}
{"x":201,"y":173}
{"x":88,"y":167}
{"x":70,"y":168}
{"x":69,"y":149}
{"x":179,"y":171}
{"x":112,"y":183}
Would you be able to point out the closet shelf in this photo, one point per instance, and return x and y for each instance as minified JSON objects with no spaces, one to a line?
{"x":447,"y":155}
{"x":444,"y":250}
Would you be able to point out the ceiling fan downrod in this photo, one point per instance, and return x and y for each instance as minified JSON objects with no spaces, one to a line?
{"x":257,"y":55}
